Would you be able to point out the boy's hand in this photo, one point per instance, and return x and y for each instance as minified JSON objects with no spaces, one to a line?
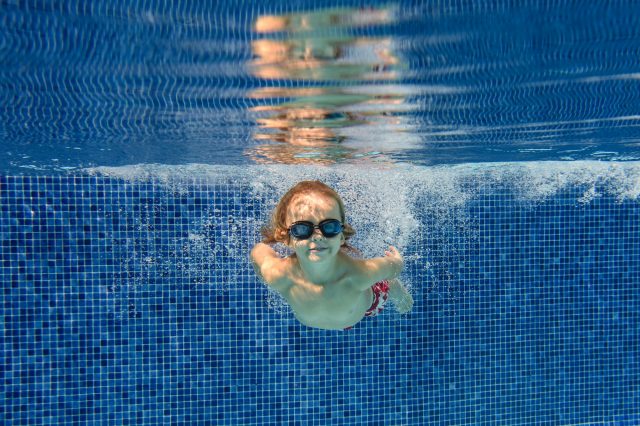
{"x":396,"y":258}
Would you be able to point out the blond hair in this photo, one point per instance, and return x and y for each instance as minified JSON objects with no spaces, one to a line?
{"x":277,"y":230}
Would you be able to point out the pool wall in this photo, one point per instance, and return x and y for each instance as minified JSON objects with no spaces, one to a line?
{"x":132,"y":302}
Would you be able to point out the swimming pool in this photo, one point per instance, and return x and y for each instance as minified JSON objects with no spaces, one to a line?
{"x":145,"y":143}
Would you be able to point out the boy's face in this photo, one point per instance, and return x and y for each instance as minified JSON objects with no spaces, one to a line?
{"x":314,"y":208}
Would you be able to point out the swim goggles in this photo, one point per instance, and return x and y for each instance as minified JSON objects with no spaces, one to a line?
{"x":303,"y":230}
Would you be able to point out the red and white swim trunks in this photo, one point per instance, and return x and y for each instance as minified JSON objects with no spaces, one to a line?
{"x":380,"y":296}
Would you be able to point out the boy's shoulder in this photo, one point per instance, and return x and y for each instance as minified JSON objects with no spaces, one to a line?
{"x":282,"y":266}
{"x":363,"y":273}
{"x":355,"y":266}
{"x":273,"y":269}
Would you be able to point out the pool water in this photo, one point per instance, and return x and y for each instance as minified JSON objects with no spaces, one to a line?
{"x":114,"y":84}
{"x":145,"y":144}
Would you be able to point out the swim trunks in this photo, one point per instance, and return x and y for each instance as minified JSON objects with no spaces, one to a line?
{"x":380,"y":296}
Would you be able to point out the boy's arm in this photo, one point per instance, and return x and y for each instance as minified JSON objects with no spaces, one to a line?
{"x":374,"y":270}
{"x":269,"y":266}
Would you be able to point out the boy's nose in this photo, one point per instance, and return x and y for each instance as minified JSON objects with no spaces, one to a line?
{"x":317,"y":234}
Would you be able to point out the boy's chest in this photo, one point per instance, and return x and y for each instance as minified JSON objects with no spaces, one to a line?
{"x":309,"y":297}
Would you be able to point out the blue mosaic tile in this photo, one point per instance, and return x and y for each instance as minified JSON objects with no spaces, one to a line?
{"x":129,"y":303}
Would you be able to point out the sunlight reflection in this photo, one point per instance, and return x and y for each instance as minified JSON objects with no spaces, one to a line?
{"x":322,"y":80}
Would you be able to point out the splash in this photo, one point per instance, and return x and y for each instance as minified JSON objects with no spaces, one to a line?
{"x":426,"y":212}
{"x":540,"y":181}
{"x":386,"y":204}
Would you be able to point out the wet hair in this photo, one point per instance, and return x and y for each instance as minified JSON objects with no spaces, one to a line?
{"x":277,"y":230}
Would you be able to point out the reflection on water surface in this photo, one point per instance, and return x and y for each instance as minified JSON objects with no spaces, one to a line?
{"x":343,"y":101}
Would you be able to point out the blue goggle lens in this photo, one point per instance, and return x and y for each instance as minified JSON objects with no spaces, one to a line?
{"x":303,"y":230}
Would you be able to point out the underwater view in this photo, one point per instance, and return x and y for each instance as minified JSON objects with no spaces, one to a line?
{"x":145,"y":147}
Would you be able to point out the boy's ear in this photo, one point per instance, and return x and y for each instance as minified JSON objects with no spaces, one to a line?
{"x":286,"y":238}
{"x":281,"y":236}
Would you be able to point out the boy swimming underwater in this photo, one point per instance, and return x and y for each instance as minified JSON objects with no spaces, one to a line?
{"x":325,"y":286}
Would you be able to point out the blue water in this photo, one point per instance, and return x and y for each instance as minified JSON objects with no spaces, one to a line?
{"x":144,"y":144}
{"x":100,"y":83}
